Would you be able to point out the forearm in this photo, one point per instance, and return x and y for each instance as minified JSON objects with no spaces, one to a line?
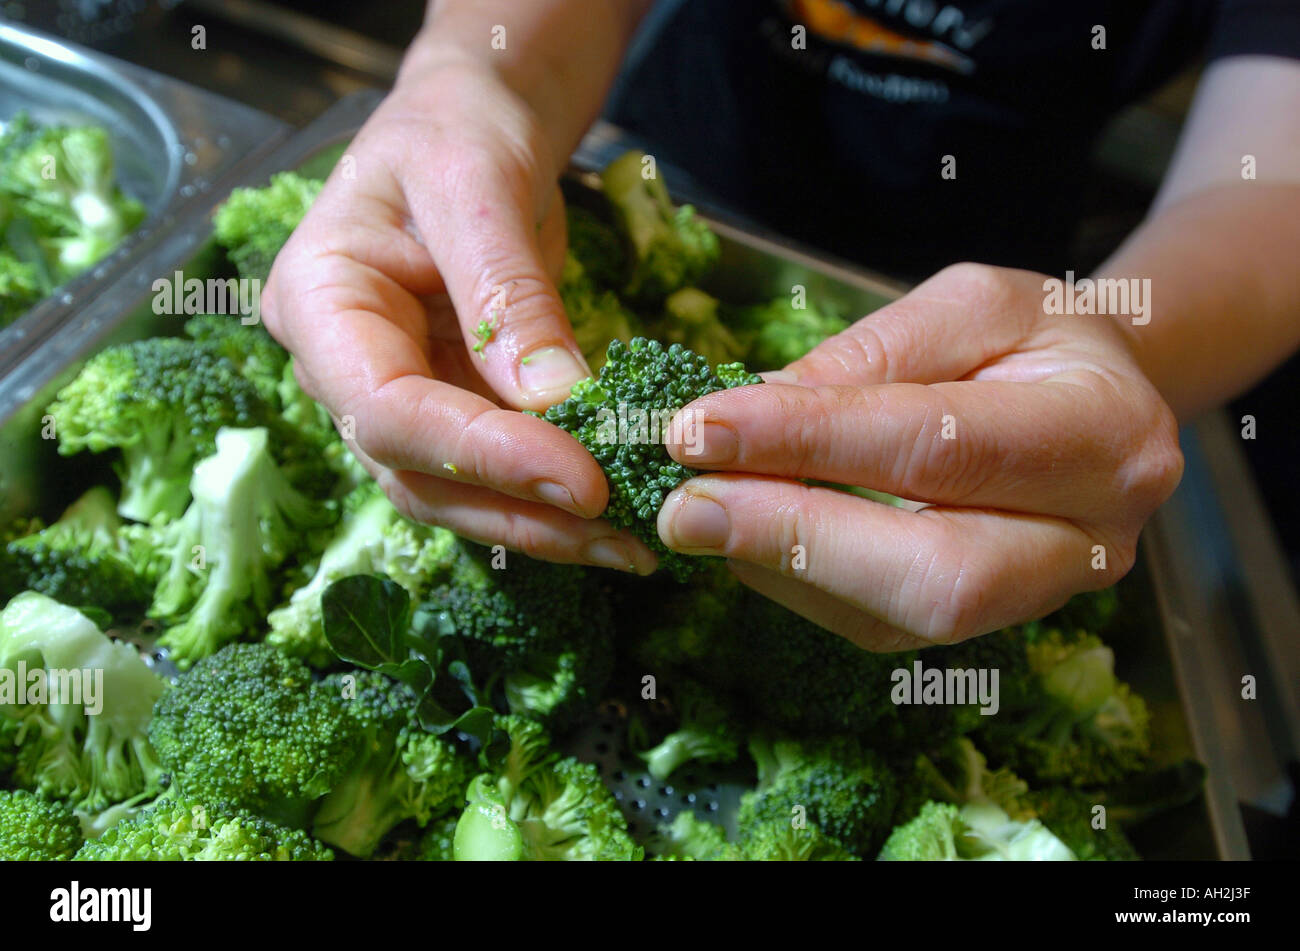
{"x":1225,"y":290}
{"x":558,"y":56}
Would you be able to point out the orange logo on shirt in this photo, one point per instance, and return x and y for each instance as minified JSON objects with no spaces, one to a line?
{"x":840,"y":23}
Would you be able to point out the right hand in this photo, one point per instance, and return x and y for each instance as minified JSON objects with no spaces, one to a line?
{"x":444,"y":213}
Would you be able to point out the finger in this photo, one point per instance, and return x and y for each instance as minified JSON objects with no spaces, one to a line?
{"x":482,"y":231}
{"x":539,"y":531}
{"x":363,"y":368}
{"x":1050,"y":448}
{"x":945,"y":328}
{"x":838,"y":617}
{"x":942,"y":574}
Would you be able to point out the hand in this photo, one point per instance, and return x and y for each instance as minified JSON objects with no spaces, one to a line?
{"x":1034,"y":439}
{"x":452,"y":218}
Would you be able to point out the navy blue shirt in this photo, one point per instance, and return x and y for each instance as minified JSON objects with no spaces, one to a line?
{"x":911,"y":133}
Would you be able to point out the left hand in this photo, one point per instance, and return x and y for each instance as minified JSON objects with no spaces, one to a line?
{"x":1035,"y":440}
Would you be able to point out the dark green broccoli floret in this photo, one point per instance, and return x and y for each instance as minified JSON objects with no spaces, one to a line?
{"x":1069,"y":814}
{"x":402,"y":772}
{"x":671,"y":247}
{"x":36,"y":829}
{"x":533,"y":807}
{"x":777,"y":333}
{"x":249,"y":347}
{"x":1090,"y":612}
{"x":1079,"y":724}
{"x":254,"y":223}
{"x":81,"y":560}
{"x":216,"y":561}
{"x":91,"y":748}
{"x":621,"y":417}
{"x":437,"y":842}
{"x":597,"y":249}
{"x":190,"y":830}
{"x":249,"y":726}
{"x":21,"y":286}
{"x":372,"y":538}
{"x":161,"y":402}
{"x":708,"y":731}
{"x":943,"y":832}
{"x":836,"y":784}
{"x":545,"y":630}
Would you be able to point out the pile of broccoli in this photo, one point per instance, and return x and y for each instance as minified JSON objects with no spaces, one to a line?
{"x":341,"y":682}
{"x":60,"y":208}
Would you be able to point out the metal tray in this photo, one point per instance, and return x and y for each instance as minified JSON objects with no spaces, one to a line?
{"x":1149,"y":645}
{"x":171,"y":143}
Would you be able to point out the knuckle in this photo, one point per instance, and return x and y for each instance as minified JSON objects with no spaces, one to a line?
{"x":960,"y":603}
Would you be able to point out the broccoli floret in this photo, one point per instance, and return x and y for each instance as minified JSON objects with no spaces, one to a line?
{"x":597,"y":316}
{"x":91,"y":751}
{"x":372,"y":537}
{"x":1068,"y":813}
{"x":957,"y":772}
{"x":533,"y":807}
{"x":244,"y":521}
{"x":843,"y":788}
{"x":596,"y":249}
{"x":619,"y":417}
{"x":60,"y":179}
{"x":708,"y":731}
{"x":254,"y":223}
{"x":943,"y":832}
{"x":1090,"y":611}
{"x":1080,"y":725}
{"x":249,"y":726}
{"x":777,"y":840}
{"x":545,"y":630}
{"x":21,"y":286}
{"x":36,"y":829}
{"x":161,"y":402}
{"x":402,"y":773}
{"x":671,"y":247}
{"x":777,"y":333}
{"x":81,"y":560}
{"x":252,"y":350}
{"x":691,"y":838}
{"x":175,"y":830}
{"x":692,"y":318}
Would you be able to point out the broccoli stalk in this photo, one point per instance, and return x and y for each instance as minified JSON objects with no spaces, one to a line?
{"x":90,"y":757}
{"x":707,"y":733}
{"x":245,"y":520}
{"x":978,"y":831}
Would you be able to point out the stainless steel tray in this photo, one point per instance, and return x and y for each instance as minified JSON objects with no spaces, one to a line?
{"x":1151,"y":648}
{"x":171,"y":143}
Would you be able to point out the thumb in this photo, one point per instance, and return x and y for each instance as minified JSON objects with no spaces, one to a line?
{"x":485,"y":237}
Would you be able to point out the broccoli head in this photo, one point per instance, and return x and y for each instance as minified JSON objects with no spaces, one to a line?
{"x":83,"y":559}
{"x":1069,"y":814}
{"x":36,"y":829}
{"x":254,"y":223}
{"x":778,"y":840}
{"x":21,"y":286}
{"x":690,"y":838}
{"x":161,"y":402}
{"x":187,"y":830}
{"x":250,"y":727}
{"x":943,"y":832}
{"x":843,"y":788}
{"x":597,"y":315}
{"x":402,"y":773}
{"x":620,"y":417}
{"x":90,"y":750}
{"x":778,"y":333}
{"x":671,"y":247}
{"x":692,"y":318}
{"x":596,"y":249}
{"x":708,"y":731}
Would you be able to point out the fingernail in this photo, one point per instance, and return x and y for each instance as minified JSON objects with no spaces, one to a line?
{"x":780,"y":376}
{"x":698,"y":524}
{"x":552,"y":493}
{"x":710,"y":443}
{"x":549,"y":371}
{"x":610,"y":554}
